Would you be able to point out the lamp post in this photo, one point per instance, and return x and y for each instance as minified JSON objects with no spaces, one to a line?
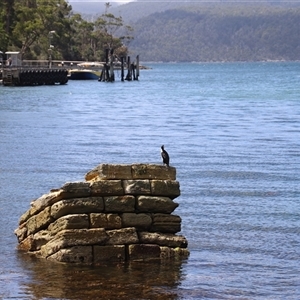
{"x":50,"y":36}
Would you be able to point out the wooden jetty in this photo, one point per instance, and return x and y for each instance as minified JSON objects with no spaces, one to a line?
{"x":24,"y":77}
{"x":16,"y":73}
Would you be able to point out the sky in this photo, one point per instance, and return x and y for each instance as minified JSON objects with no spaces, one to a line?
{"x":93,"y":6}
{"x":100,"y":1}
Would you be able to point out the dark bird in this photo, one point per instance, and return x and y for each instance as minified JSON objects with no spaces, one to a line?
{"x":165,"y":156}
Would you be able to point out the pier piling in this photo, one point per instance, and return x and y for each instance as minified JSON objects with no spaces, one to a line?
{"x":128,"y":76}
{"x":122,"y":68}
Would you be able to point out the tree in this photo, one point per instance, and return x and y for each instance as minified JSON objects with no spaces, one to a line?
{"x":34,"y":20}
{"x":82,"y":46}
{"x":6,"y":22}
{"x":31,"y":26}
{"x":107,"y":27}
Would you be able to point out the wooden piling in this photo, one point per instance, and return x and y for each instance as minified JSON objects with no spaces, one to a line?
{"x":107,"y":74}
{"x":111,"y":68}
{"x":137,"y":67}
{"x":122,"y":68}
{"x":128,"y":76}
{"x":106,"y":66}
{"x":106,"y":78}
{"x":133,"y":71}
{"x":102,"y":74}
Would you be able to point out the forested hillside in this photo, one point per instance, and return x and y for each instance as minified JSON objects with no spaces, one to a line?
{"x":36,"y":28}
{"x":219,"y":33}
{"x":162,"y":31}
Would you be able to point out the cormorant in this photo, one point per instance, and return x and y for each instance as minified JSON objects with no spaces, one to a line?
{"x":165,"y":156}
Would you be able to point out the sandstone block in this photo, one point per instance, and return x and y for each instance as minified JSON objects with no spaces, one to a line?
{"x":28,"y":244}
{"x":139,"y":221}
{"x":149,"y":171}
{"x":177,"y":253}
{"x":74,"y":237}
{"x":181,"y":252}
{"x":76,"y":254}
{"x":119,"y":203}
{"x":114,"y":221}
{"x":109,"y":171}
{"x":109,"y":253}
{"x":79,"y":221}
{"x":29,"y":213}
{"x":41,"y":238}
{"x":122,"y":236}
{"x":166,"y":252}
{"x":21,"y":233}
{"x":107,"y":221}
{"x":166,"y":223}
{"x":41,"y":203}
{"x":39,"y":221}
{"x":137,"y":187}
{"x":98,"y":220}
{"x":77,"y":206}
{"x":31,"y":225}
{"x":156,"y":204}
{"x":167,"y":188}
{"x":76,"y":190}
{"x":163,"y":239}
{"x":143,"y":252}
{"x":107,"y":188}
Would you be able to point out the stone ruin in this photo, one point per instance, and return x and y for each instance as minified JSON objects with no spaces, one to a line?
{"x":119,"y":213}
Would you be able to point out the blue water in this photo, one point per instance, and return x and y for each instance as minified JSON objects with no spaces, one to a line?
{"x":232,"y":131}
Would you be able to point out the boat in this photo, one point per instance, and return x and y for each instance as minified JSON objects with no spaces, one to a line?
{"x":87,"y":70}
{"x":83,"y":74}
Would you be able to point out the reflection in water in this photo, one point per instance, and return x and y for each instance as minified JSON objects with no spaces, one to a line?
{"x":133,"y":280}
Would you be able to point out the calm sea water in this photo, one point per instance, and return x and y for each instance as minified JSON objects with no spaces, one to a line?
{"x":232,"y":131}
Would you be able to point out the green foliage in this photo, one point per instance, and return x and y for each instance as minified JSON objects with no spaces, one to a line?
{"x":39,"y":27}
{"x":6,"y":19}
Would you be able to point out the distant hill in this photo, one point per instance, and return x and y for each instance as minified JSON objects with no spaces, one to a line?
{"x":215,"y":31}
{"x":219,"y":33}
{"x":136,"y":9}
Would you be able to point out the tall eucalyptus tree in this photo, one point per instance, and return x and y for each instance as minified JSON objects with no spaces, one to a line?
{"x":38,"y":21}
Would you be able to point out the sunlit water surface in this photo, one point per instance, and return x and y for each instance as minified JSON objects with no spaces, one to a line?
{"x":232,"y":132}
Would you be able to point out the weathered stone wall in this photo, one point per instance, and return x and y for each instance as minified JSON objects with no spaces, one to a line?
{"x":121,"y":212}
